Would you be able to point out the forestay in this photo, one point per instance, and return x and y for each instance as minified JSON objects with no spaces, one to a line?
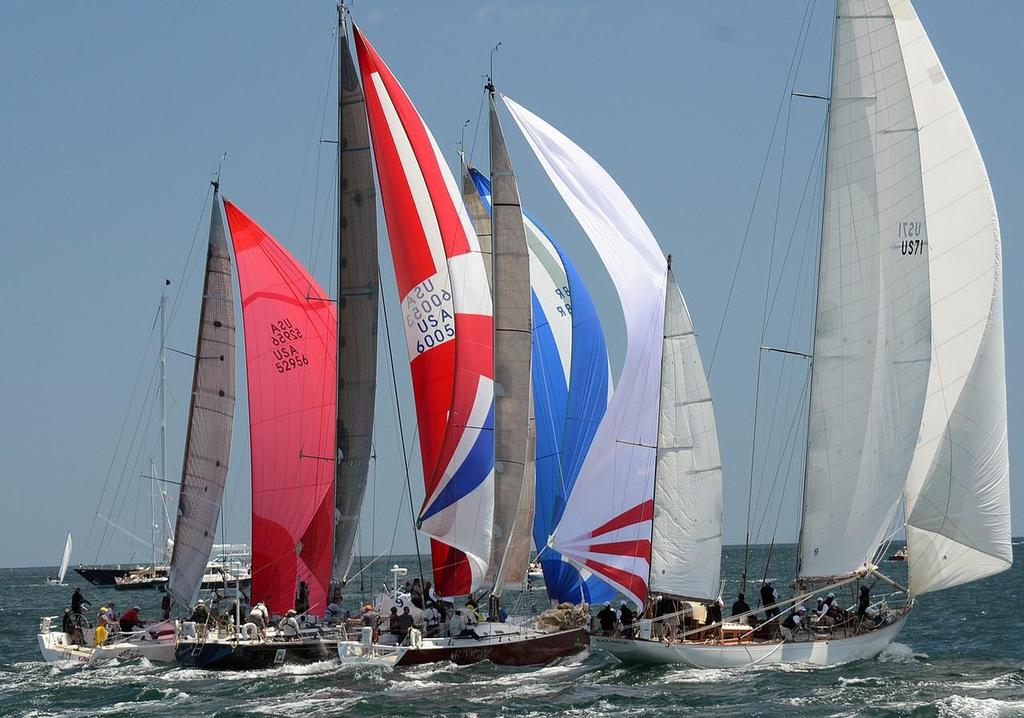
{"x":686,"y":544}
{"x":872,"y":340}
{"x":570,"y":395}
{"x":210,"y":418}
{"x":290,"y":346}
{"x":606,"y":526}
{"x":957,"y":493}
{"x":446,"y":308}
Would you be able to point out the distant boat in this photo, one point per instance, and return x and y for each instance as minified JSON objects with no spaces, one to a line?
{"x":900,"y":555}
{"x":65,"y":560}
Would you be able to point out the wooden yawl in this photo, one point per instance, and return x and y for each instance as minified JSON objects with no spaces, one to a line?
{"x":908,"y":397}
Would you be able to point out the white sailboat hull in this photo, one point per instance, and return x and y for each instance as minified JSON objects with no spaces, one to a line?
{"x":824,"y":652}
{"x":56,"y":648}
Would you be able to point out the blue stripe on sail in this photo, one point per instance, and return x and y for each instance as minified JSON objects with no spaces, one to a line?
{"x":567,"y":416}
{"x":476,"y":467}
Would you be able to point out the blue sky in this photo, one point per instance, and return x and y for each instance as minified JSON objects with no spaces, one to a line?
{"x":115,"y":114}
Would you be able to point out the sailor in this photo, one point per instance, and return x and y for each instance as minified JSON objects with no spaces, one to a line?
{"x":165,"y":607}
{"x":714,"y":610}
{"x":457,"y":626}
{"x":257,"y":619}
{"x":405,"y":622}
{"x":302,"y":598}
{"x":792,"y":622}
{"x":659,"y":610}
{"x":769,"y":596}
{"x":106,"y":619}
{"x":626,"y":619}
{"x":77,"y":601}
{"x":100,"y":634}
{"x":369,"y":617}
{"x":740,"y":605}
{"x":111,"y":613}
{"x":289,"y":625}
{"x":606,"y":617}
{"x":201,"y":617}
{"x":333,"y":612}
{"x":65,"y":622}
{"x":417,"y":593}
{"x":863,"y":601}
{"x":130,"y":620}
{"x":434,"y":601}
{"x":395,"y":623}
{"x":473,"y":615}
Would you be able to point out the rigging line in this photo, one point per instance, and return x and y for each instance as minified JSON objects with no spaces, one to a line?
{"x":315,"y":239}
{"x":476,"y":128}
{"x":186,"y":270}
{"x":401,"y":431}
{"x":804,"y":27}
{"x":124,"y":424}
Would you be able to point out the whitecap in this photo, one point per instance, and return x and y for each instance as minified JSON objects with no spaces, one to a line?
{"x":900,"y":653}
{"x":957,"y":705}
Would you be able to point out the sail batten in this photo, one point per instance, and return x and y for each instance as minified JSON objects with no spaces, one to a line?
{"x":290,"y":345}
{"x":357,"y":309}
{"x":210,"y":420}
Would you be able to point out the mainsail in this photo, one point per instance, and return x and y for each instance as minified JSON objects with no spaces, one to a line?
{"x":686,"y":542}
{"x":290,"y":343}
{"x":357,"y":307}
{"x":606,"y":526}
{"x":513,"y":473}
{"x":210,"y":419}
{"x":570,"y":394}
{"x":446,"y":309}
{"x":957,"y":493}
{"x":872,"y":337}
{"x":65,"y":559}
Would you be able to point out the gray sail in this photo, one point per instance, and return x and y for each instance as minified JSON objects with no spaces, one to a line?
{"x":512,"y":355}
{"x":480,"y":215}
{"x":210,"y":417}
{"x":357,"y":308}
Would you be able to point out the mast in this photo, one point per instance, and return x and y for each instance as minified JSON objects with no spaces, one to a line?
{"x":358,"y":289}
{"x":163,"y":397}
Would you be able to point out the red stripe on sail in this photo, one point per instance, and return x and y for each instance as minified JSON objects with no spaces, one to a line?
{"x":637,"y":514}
{"x":452,"y":574}
{"x":290,"y":342}
{"x":635,"y":549}
{"x":635,"y":585}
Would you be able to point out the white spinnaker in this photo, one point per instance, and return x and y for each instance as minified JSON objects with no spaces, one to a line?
{"x":65,"y":560}
{"x":606,"y":526}
{"x":957,"y":493}
{"x":872,"y":341}
{"x":686,"y":545}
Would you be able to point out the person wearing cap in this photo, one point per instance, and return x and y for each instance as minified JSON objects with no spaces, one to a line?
{"x":129,"y":620}
{"x":626,"y":618}
{"x":78,"y":601}
{"x":289,"y":625}
{"x":606,"y":618}
{"x":769,"y":597}
{"x":100,"y":634}
{"x":740,"y":605}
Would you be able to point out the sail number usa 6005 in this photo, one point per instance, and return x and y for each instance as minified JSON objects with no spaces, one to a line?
{"x":429,"y":316}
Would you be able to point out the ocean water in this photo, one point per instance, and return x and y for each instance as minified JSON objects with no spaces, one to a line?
{"x":961,"y":654}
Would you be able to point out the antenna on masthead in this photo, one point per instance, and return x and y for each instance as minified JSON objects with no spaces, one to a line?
{"x":462,"y":141}
{"x":490,"y":75}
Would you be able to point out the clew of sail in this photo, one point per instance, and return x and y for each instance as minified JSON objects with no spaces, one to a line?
{"x":290,"y":348}
{"x":357,"y":309}
{"x":686,"y":542}
{"x":513,"y":473}
{"x":446,"y":308}
{"x":872,"y":339}
{"x":210,"y":419}
{"x":957,"y":492}
{"x":570,"y":394}
{"x":606,"y":525}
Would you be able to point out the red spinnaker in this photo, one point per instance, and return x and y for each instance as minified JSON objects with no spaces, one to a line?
{"x":290,"y":348}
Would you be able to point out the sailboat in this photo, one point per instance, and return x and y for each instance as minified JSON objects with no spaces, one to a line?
{"x":204,"y":473}
{"x":908,"y":397}
{"x":64,"y":561}
{"x":470,"y":356}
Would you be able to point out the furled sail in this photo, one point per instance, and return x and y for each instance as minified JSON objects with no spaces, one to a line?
{"x":872,"y":340}
{"x":513,"y":503}
{"x":606,"y":525}
{"x":446,"y":309}
{"x":210,"y":419}
{"x":686,"y":543}
{"x":957,"y":493}
{"x":357,"y":308}
{"x":570,"y":395}
{"x":290,"y":345}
